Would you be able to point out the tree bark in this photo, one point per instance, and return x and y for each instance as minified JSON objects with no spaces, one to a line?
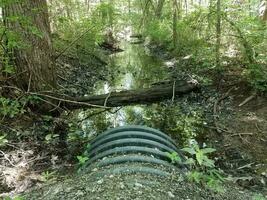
{"x":33,"y":60}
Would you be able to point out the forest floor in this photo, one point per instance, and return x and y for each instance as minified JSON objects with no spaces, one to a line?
{"x":242,"y":139}
{"x":239,"y":134}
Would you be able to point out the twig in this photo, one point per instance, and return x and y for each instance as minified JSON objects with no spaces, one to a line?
{"x":3,"y":34}
{"x":11,"y":87}
{"x":16,"y":75}
{"x":221,"y":129}
{"x":29,"y":84}
{"x":240,"y":134}
{"x":56,"y":98}
{"x":245,"y":166}
{"x":258,"y":128}
{"x":35,"y":159}
{"x":56,"y":107}
{"x":173,"y":90}
{"x":73,"y":42}
{"x":5,"y":156}
{"x":114,"y":112}
{"x":93,"y":114}
{"x":52,"y":104}
{"x":100,"y":112}
{"x":64,"y":79}
{"x":248,"y":99}
{"x":68,"y":101}
{"x":9,"y":128}
{"x":106,"y":100}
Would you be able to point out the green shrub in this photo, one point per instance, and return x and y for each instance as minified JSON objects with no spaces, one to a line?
{"x":202,"y":168}
{"x":256,"y":75}
{"x":10,"y":108}
{"x":13,"y":107}
{"x":159,"y":31}
{"x":184,"y":124}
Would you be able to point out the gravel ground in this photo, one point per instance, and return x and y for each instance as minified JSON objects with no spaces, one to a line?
{"x":132,"y":186}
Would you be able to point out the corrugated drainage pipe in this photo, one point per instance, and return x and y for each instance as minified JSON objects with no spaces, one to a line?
{"x":131,"y":149}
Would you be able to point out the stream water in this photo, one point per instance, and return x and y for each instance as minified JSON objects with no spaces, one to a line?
{"x":135,"y":67}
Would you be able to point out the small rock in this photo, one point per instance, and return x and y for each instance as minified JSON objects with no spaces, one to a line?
{"x":170,"y":194}
{"x":80,"y":193}
{"x":99,"y":182}
{"x":138,"y":185}
{"x":95,"y":169}
{"x":122,"y":186}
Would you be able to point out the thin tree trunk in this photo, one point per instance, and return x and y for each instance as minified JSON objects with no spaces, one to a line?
{"x":159,"y":8}
{"x":129,"y":6}
{"x":209,"y":15}
{"x":174,"y":28}
{"x":88,"y":5}
{"x":33,"y":61}
{"x":218,"y":35}
{"x":264,"y":14}
{"x":248,"y":49}
{"x":186,"y":6}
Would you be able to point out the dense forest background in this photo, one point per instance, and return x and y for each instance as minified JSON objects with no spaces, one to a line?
{"x":61,"y":77}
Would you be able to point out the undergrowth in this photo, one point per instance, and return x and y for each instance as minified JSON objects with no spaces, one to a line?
{"x":202,"y":168}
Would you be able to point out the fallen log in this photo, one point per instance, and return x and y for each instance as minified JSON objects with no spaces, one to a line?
{"x":153,"y":94}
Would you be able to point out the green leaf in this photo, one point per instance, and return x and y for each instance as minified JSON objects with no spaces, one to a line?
{"x":3,"y":140}
{"x":200,"y":157}
{"x":189,"y":150}
{"x":217,"y":174}
{"x":208,"y":162}
{"x":195,"y":176}
{"x":82,"y":159}
{"x":190,"y":161}
{"x":175,"y":158}
{"x":18,"y":198}
{"x":9,"y":69}
{"x":208,"y":150}
{"x":48,"y":137}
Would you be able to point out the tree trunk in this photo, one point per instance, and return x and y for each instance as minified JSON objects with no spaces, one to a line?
{"x":33,"y":60}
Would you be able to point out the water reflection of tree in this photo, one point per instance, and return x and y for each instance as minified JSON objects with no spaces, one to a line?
{"x":135,"y":62}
